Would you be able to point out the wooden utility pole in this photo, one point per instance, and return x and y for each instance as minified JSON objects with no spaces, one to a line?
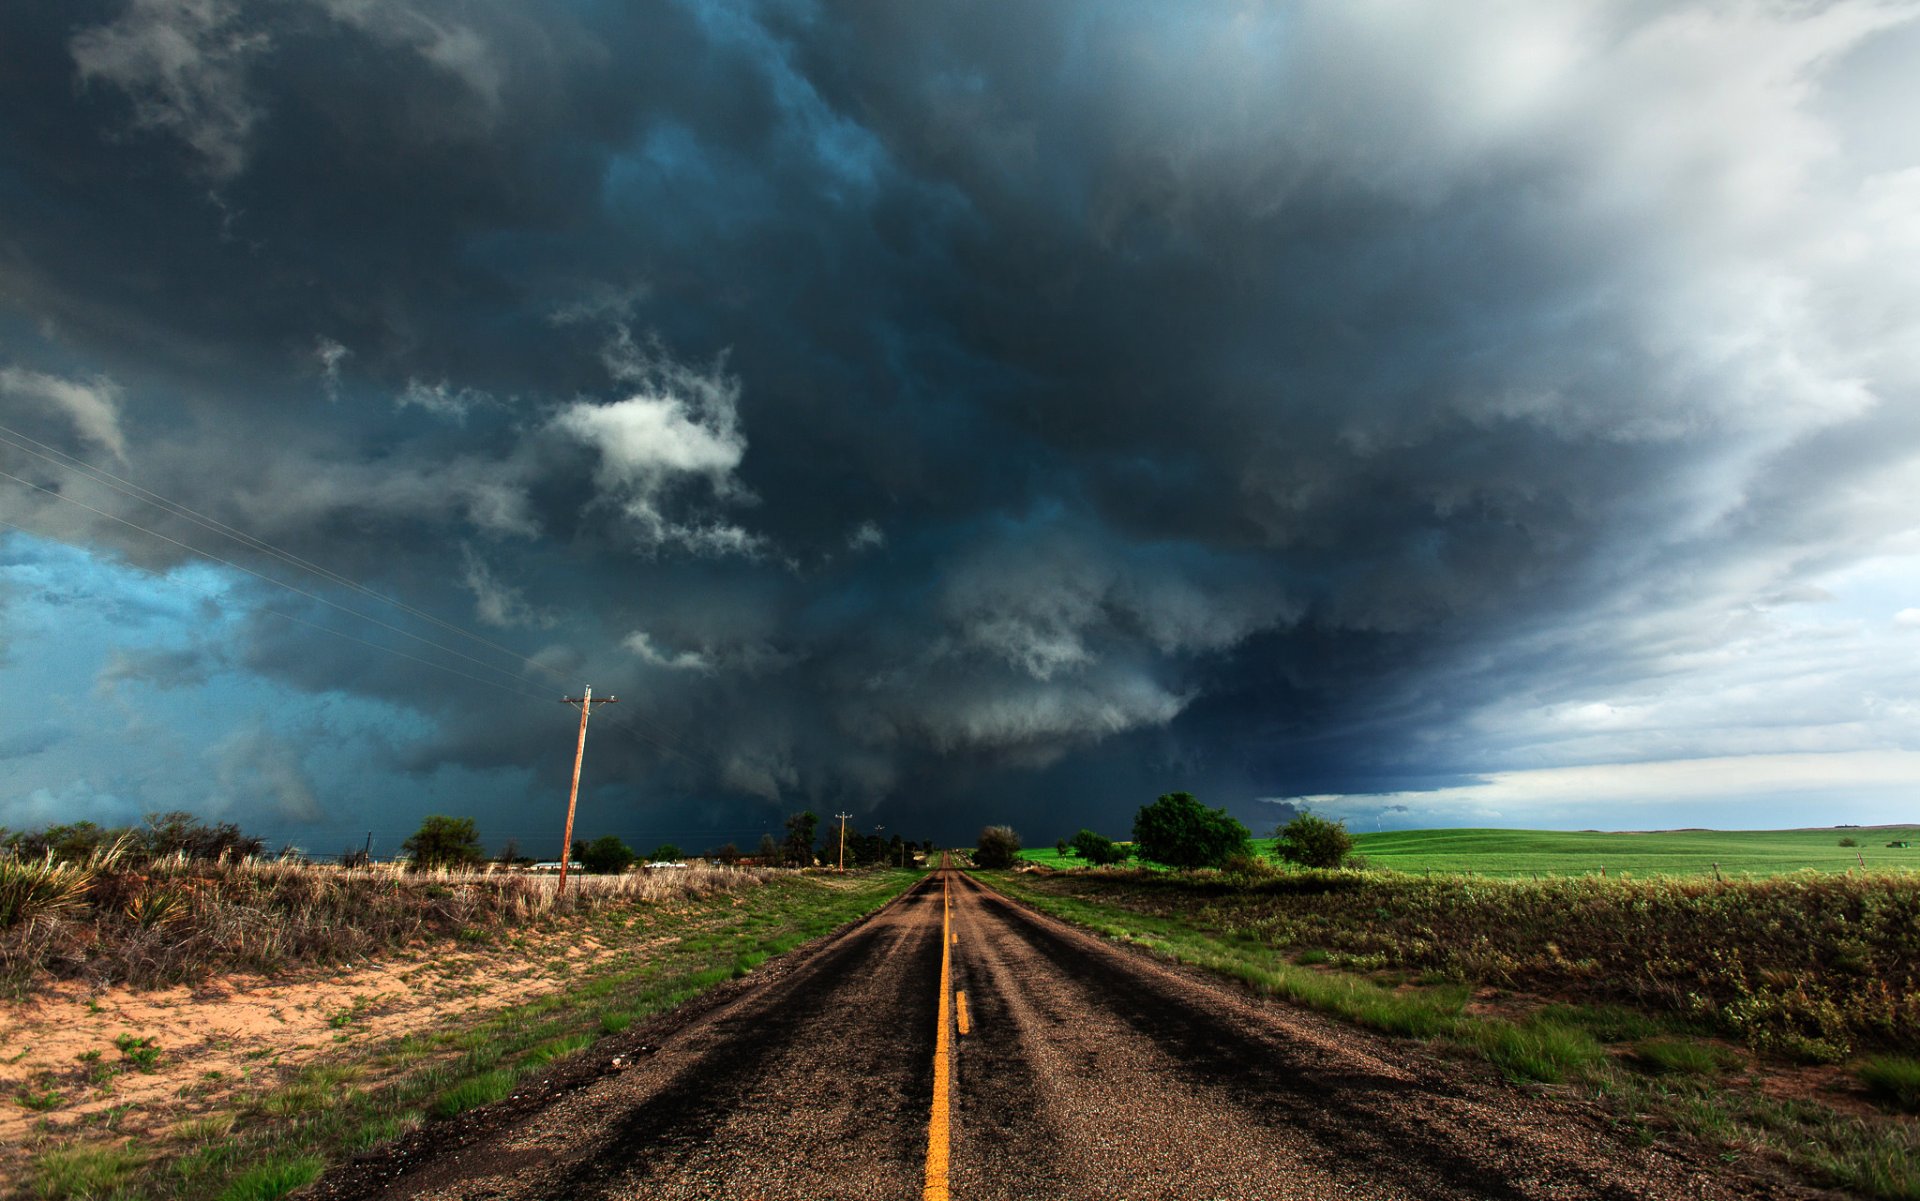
{"x":843,"y":839}
{"x":586,"y":701}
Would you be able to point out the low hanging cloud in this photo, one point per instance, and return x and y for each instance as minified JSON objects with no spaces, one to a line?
{"x":93,"y":406}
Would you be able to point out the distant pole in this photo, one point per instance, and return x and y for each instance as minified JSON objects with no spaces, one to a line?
{"x":366,"y":856}
{"x":586,"y":702}
{"x":843,"y":839}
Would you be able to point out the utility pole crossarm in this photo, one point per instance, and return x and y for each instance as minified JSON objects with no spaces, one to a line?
{"x":586,"y":701}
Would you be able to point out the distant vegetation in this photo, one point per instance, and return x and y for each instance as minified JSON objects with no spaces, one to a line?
{"x":999,"y":846}
{"x":165,"y":835}
{"x":1525,"y":854}
{"x":179,"y":899}
{"x":1310,"y":840}
{"x":1179,"y":831}
{"x":442,"y":841}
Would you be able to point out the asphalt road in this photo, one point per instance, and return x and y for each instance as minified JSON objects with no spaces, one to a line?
{"x":959,"y":1044}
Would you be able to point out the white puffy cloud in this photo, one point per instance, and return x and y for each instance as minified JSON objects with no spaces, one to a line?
{"x":642,"y":645}
{"x":682,"y":426}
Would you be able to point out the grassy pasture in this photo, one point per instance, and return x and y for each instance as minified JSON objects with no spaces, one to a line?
{"x":1518,"y":854}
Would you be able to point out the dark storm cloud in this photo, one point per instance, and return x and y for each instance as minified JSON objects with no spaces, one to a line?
{"x":900,"y":403}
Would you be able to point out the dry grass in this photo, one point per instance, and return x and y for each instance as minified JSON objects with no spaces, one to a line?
{"x":180,"y":920}
{"x":1810,"y":965}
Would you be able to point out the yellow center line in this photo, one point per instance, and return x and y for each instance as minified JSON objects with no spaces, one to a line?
{"x":960,"y":1005}
{"x":938,"y":1122}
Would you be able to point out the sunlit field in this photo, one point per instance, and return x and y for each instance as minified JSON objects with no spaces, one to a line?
{"x":1519,"y":854}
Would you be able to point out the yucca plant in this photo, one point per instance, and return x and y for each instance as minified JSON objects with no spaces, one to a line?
{"x":37,"y":888}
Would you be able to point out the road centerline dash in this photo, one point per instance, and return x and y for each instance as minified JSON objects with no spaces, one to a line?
{"x":939,"y":1121}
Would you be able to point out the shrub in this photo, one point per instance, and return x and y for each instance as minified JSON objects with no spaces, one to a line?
{"x":606,"y":856}
{"x":1179,"y":831}
{"x":43,"y":888}
{"x":1097,"y":849}
{"x":998,"y":847}
{"x":1310,"y":840}
{"x":443,"y":841}
{"x":1849,"y":841}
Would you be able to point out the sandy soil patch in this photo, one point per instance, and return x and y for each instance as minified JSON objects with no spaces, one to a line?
{"x":242,"y":1035}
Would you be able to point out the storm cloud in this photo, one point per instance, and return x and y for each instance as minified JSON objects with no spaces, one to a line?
{"x":962,"y":412}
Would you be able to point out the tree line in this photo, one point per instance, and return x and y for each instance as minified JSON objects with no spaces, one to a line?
{"x":1178,"y":831}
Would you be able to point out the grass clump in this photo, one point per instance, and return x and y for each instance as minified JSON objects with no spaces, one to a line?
{"x":1894,"y":1079}
{"x":1682,"y":1057}
{"x":86,"y":1172}
{"x":1545,"y":1051}
{"x":274,"y":1179}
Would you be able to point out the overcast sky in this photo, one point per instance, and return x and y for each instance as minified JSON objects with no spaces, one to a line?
{"x":958,"y":412}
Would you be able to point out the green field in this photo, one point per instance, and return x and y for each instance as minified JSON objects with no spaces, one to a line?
{"x":1521,"y":853}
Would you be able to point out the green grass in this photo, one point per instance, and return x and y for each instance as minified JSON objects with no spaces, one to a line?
{"x":1519,"y":854}
{"x":85,"y":1173}
{"x":1893,"y":1078}
{"x":473,"y":1092}
{"x":274,"y":1179}
{"x":1682,"y":1057}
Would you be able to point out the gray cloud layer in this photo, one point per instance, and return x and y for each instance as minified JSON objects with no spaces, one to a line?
{"x":1067,"y":401}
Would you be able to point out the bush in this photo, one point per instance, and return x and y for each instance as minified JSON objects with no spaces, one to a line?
{"x":1179,"y":831}
{"x":606,"y":855}
{"x":666,"y":852}
{"x":1097,"y":849}
{"x":443,"y":841}
{"x":999,"y":846}
{"x":1310,"y":840}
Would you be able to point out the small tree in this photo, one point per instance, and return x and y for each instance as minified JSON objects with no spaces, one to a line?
{"x":443,"y":841}
{"x":1098,"y":849}
{"x":768,"y":853}
{"x":797,"y":851}
{"x":999,"y":847}
{"x":606,"y":855}
{"x":1179,"y":831}
{"x":728,"y":854}
{"x":1310,"y":840}
{"x":666,"y":852}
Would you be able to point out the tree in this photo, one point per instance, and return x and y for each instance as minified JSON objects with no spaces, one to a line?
{"x":666,"y":852}
{"x":728,"y":854}
{"x":998,"y":847}
{"x":768,"y":852}
{"x":443,"y":841}
{"x":797,"y":851}
{"x":509,"y":854}
{"x":1310,"y":840}
{"x":606,"y":855}
{"x":1179,"y":831}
